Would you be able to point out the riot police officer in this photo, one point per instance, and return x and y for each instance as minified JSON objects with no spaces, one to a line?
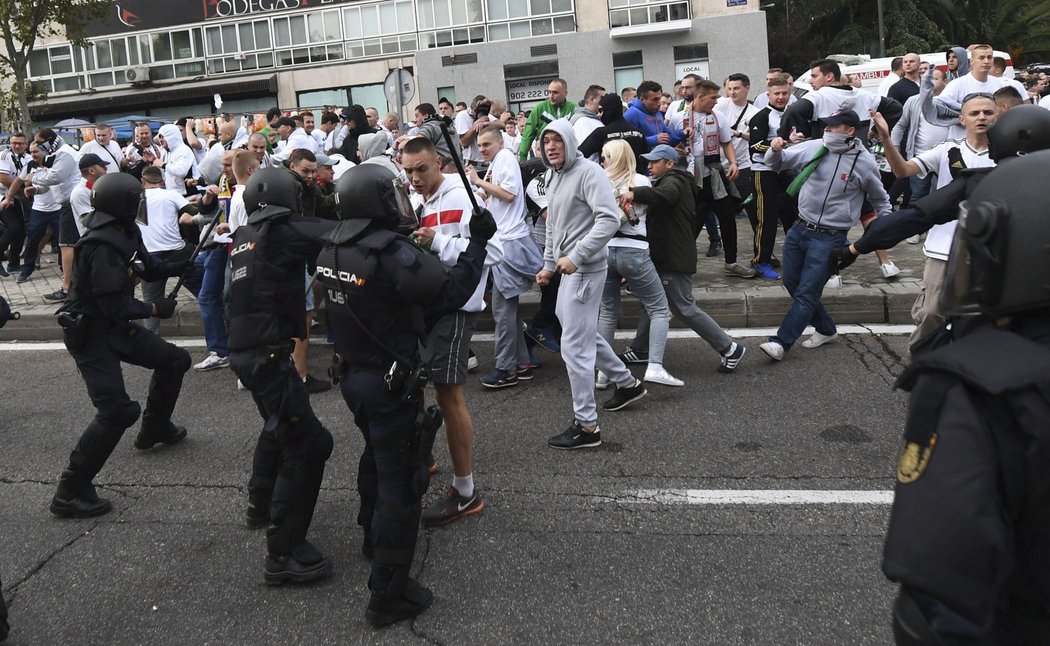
{"x":99,"y":334}
{"x":267,"y":302}
{"x":970,"y":525}
{"x":380,"y":289}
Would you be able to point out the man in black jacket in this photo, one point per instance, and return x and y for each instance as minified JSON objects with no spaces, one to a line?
{"x":672,"y":228}
{"x":98,"y":332}
{"x":610,"y":111}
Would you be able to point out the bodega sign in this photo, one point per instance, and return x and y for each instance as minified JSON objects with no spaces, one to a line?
{"x":138,"y":15}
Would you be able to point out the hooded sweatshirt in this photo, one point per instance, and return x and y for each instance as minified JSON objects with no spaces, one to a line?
{"x":448,"y":212}
{"x":582,"y":214}
{"x":63,"y":175}
{"x":372,"y":148}
{"x":671,"y":224}
{"x":180,"y":160}
{"x":964,"y":62}
{"x":833,"y":194}
{"x":615,"y":127}
{"x":350,"y":143}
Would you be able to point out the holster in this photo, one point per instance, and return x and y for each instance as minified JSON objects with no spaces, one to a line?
{"x":428,"y":421}
{"x":74,"y":330}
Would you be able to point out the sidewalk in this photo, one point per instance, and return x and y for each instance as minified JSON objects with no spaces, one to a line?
{"x":865,"y":297}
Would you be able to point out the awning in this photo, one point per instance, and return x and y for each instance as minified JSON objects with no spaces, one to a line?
{"x":137,"y":99}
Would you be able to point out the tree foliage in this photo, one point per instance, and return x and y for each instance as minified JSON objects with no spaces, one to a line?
{"x":803,"y":30}
{"x":24,"y":22}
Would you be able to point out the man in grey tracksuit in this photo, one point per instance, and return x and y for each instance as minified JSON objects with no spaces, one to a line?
{"x":841,"y":174}
{"x":582,"y":217}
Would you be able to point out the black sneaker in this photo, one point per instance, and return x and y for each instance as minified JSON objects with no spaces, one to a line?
{"x":575,"y":437}
{"x":57,"y":295}
{"x":385,"y":609}
{"x":624,"y":396}
{"x":315,"y":385}
{"x":630,"y":355}
{"x":22,"y":277}
{"x":714,"y":249}
{"x":302,"y":565}
{"x":500,"y":379}
{"x":149,"y":438}
{"x":729,"y":363}
{"x":451,"y":508}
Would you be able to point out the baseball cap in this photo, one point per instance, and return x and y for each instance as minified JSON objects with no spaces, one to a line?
{"x":847,"y":117}
{"x":89,"y":160}
{"x":661,"y":151}
{"x":324,"y":160}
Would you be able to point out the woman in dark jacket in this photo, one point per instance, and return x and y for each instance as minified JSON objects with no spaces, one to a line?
{"x":358,"y":125}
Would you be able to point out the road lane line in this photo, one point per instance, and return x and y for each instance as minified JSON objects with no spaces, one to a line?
{"x":758,"y":497}
{"x":737,"y":333}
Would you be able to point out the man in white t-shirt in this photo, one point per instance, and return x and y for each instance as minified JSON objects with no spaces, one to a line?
{"x":45,"y":214}
{"x":999,"y":69}
{"x":104,"y":146}
{"x":737,"y":111}
{"x":762,"y":100}
{"x":504,"y":197}
{"x":159,"y":225}
{"x":469,"y":123}
{"x":979,"y":80}
{"x":947,"y":160}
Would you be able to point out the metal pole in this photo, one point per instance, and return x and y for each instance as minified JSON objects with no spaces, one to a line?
{"x":882,"y":32}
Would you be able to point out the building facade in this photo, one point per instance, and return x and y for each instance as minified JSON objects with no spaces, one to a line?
{"x":170,"y":59}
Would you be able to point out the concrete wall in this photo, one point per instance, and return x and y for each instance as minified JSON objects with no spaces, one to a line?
{"x":736,"y":43}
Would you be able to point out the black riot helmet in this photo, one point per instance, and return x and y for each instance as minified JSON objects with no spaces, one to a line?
{"x":1000,"y":257}
{"x":372,"y":195}
{"x":272,"y":192}
{"x":1019,"y":131}
{"x":115,"y":197}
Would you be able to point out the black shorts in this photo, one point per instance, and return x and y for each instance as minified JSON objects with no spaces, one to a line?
{"x":447,"y":348}
{"x":68,"y":234}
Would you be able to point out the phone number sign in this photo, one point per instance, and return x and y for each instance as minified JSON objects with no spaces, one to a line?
{"x":530,"y":90}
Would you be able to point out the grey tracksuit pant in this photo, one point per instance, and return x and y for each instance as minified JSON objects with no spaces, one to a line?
{"x":582,"y":348}
{"x":679,"y":289}
{"x":511,"y":350}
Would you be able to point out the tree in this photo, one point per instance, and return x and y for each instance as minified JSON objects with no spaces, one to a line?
{"x":1021,"y":27}
{"x":23,"y":22}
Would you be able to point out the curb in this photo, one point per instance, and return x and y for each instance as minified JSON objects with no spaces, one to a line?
{"x":752,"y":307}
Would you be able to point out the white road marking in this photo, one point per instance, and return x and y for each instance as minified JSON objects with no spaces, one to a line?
{"x":757,"y":497}
{"x":736,"y":333}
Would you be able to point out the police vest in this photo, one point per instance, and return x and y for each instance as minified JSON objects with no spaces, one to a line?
{"x":267,"y":292}
{"x":101,"y":272}
{"x":359,"y":278}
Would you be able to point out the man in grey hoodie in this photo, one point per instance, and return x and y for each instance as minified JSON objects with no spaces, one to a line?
{"x":582,"y":217}
{"x":838,"y":175}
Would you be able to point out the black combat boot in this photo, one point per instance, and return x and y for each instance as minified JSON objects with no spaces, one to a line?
{"x":411,"y":600}
{"x":302,"y":565}
{"x":156,"y":432}
{"x":257,"y":515}
{"x":73,"y":500}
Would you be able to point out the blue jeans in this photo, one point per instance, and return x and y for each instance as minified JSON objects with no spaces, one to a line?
{"x":805,"y":271}
{"x":207,"y":283}
{"x":920,"y":186}
{"x":637,"y":267}
{"x":39,"y":223}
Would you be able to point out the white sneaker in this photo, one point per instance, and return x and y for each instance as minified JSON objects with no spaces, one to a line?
{"x":656,"y":374}
{"x":834,"y":282}
{"x":915,"y":239}
{"x":889,"y":270}
{"x":736,"y":269}
{"x":818,"y":340}
{"x":774,"y":350}
{"x":212,"y":362}
{"x":602,"y":382}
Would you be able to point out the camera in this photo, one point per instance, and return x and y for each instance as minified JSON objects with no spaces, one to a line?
{"x":483,"y":109}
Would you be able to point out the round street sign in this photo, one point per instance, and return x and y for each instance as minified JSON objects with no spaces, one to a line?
{"x":398,"y":87}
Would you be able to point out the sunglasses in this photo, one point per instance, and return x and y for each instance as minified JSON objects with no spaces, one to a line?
{"x":977,"y":95}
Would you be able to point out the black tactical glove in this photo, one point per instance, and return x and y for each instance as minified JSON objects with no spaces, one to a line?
{"x":165,"y":308}
{"x":482,"y":227}
{"x":840,"y":259}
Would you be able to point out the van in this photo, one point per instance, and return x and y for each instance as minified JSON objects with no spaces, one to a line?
{"x":873,"y":70}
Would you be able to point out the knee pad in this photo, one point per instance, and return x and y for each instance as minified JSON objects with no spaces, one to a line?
{"x":121,"y":415}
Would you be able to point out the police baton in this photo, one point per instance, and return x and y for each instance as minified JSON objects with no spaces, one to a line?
{"x":459,"y":165}
{"x":196,"y":250}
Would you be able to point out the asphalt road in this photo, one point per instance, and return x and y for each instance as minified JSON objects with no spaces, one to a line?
{"x":568,"y":550}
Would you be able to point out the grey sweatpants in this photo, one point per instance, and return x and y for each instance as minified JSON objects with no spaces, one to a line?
{"x":679,"y":290}
{"x":511,"y":350}
{"x":582,"y":348}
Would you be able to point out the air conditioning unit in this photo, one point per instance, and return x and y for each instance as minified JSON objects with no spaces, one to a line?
{"x":137,"y":75}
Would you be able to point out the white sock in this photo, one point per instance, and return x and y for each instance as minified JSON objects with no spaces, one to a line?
{"x":464,"y":485}
{"x":731,"y":350}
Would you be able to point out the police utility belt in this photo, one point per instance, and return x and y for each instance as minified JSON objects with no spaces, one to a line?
{"x":819,"y":229}
{"x":402,"y":378}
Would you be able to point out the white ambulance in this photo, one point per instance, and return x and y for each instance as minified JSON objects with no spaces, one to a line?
{"x":873,"y":70}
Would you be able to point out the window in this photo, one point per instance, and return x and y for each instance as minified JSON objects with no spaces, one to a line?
{"x":628,"y":13}
{"x":56,"y":69}
{"x":450,"y":21}
{"x":230,"y":47}
{"x":519,"y":11}
{"x":373,"y":30}
{"x":369,"y":96}
{"x":447,"y":92}
{"x":627,"y":77}
{"x":314,"y":98}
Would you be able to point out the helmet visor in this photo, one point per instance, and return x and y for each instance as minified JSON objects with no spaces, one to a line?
{"x":407,"y":217}
{"x":976,"y":263}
